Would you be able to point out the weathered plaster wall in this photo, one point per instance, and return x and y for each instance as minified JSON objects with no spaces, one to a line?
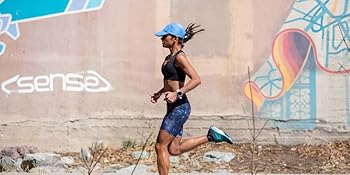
{"x":73,"y":74}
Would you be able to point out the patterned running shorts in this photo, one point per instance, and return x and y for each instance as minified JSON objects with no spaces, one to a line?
{"x":176,"y":116}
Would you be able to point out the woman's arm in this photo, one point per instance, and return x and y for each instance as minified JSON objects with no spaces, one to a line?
{"x":160,"y":91}
{"x":187,"y":67}
{"x":156,"y":95}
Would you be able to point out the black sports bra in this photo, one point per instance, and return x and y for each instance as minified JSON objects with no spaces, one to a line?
{"x":170,"y":71}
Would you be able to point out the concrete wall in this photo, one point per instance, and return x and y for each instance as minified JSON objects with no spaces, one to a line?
{"x":73,"y":74}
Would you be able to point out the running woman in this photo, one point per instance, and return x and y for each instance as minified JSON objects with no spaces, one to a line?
{"x":175,"y":68}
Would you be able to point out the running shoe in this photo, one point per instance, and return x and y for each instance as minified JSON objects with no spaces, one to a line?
{"x":217,"y":135}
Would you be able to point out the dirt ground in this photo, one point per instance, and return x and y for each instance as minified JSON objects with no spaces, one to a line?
{"x":323,"y":158}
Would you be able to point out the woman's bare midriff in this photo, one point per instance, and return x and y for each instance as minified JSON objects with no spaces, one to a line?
{"x":172,"y":86}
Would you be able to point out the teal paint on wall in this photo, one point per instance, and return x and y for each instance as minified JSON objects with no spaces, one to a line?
{"x":24,"y":9}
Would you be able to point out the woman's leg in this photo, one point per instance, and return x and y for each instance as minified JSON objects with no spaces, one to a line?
{"x":163,"y":141}
{"x":179,"y":146}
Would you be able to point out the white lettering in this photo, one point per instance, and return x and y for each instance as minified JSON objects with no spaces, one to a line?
{"x":7,"y":82}
{"x":25,"y":87}
{"x":91,"y":84}
{"x":108,"y":86}
{"x":74,"y":82}
{"x":90,"y":81}
{"x":53,"y":76}
{"x":41,"y":83}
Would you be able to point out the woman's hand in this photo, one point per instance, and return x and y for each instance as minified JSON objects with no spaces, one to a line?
{"x":155,"y":97}
{"x":170,"y":97}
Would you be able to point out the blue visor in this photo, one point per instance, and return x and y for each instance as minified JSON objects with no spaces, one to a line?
{"x":161,"y":33}
{"x":175,"y":29}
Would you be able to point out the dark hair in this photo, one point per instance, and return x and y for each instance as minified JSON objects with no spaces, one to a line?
{"x":190,"y":32}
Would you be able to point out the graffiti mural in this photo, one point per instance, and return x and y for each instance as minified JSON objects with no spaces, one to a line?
{"x":315,"y":37}
{"x":13,"y":12}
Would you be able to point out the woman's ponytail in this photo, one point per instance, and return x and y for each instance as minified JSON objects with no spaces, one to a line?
{"x":191,"y":31}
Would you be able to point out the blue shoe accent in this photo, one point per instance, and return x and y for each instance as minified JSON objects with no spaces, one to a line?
{"x":217,"y":135}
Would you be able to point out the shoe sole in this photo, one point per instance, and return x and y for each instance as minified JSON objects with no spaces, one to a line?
{"x":222,"y":133}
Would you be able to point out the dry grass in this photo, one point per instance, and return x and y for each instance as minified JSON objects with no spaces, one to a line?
{"x":323,"y":158}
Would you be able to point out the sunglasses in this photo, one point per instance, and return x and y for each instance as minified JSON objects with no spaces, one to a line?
{"x":164,"y":36}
